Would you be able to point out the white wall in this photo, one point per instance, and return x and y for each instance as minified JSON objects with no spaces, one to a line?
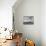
{"x":43,"y":22}
{"x":29,"y":8}
{"x":6,"y":13}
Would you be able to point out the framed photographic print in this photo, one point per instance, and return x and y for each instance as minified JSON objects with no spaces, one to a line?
{"x":28,"y":20}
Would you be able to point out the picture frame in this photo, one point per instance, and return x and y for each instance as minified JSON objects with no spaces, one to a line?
{"x":28,"y":20}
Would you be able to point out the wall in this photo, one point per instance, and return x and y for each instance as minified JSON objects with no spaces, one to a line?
{"x":43,"y":22}
{"x":6,"y":13}
{"x":29,"y":8}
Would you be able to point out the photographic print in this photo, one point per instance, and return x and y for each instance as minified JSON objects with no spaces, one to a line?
{"x":28,"y":20}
